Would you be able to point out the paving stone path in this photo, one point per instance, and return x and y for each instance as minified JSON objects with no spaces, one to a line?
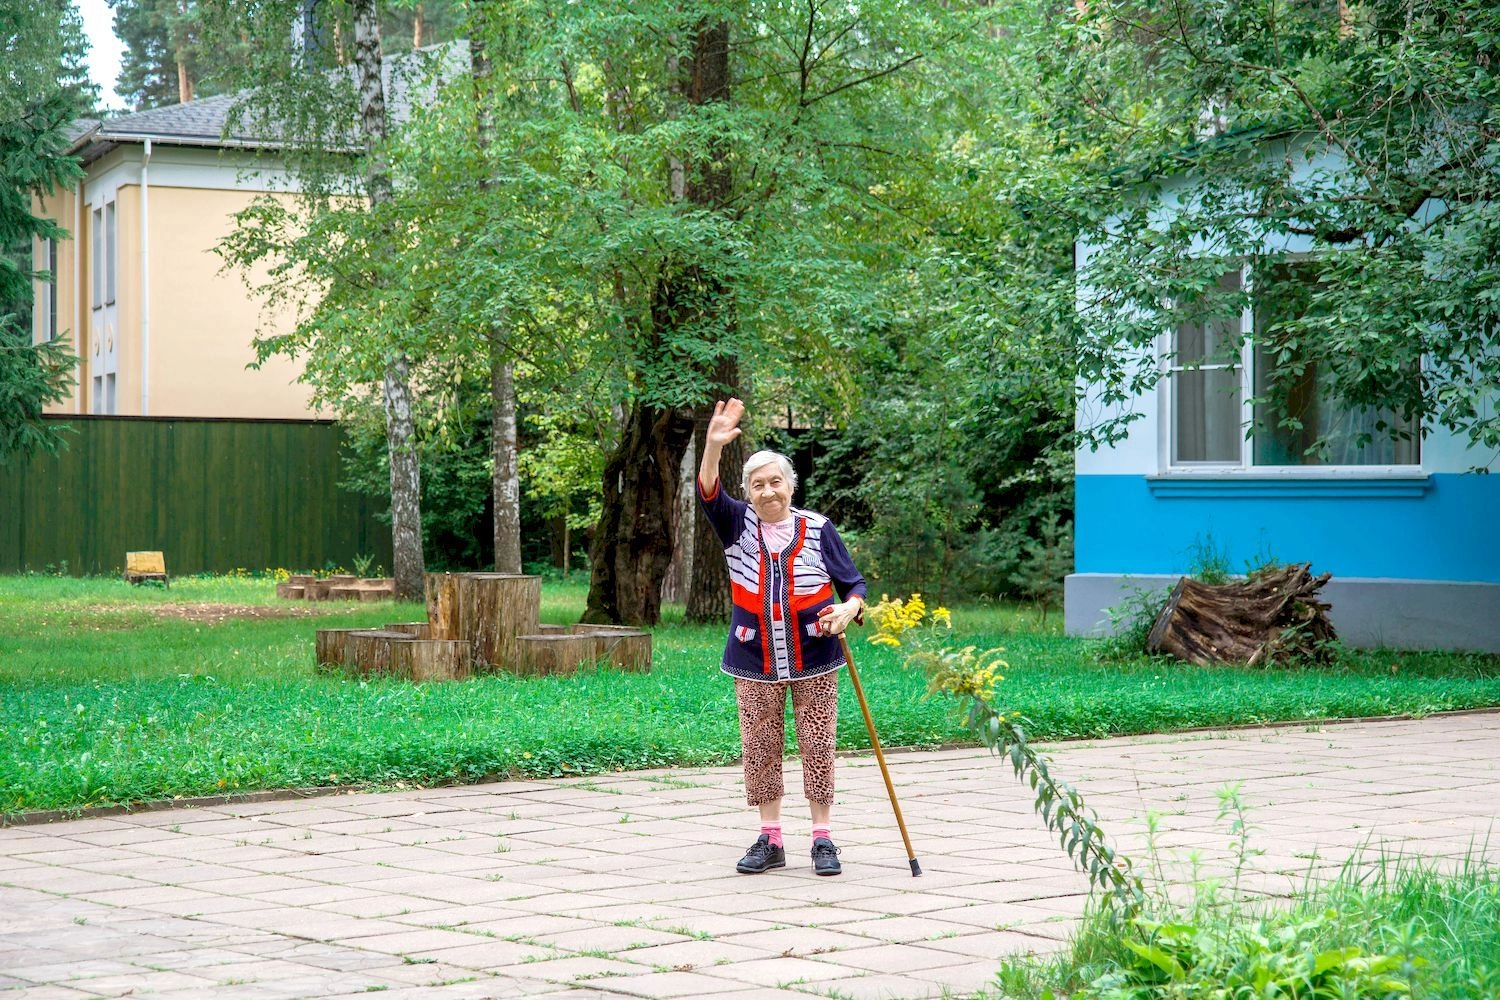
{"x":623,"y":886}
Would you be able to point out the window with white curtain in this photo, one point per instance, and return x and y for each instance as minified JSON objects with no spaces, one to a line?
{"x":1218,"y":367}
{"x":1208,"y":425}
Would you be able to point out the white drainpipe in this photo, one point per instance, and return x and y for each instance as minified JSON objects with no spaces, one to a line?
{"x":145,"y":286}
{"x":78,"y":289}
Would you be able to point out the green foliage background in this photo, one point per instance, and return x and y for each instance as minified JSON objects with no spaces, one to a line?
{"x":894,"y":261}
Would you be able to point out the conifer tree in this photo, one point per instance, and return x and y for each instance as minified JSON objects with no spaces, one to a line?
{"x":42,"y":92}
{"x":159,"y":65}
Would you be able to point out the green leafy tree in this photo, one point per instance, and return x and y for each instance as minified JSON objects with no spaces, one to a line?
{"x":959,"y":448}
{"x":1368,"y":129}
{"x":718,"y":170}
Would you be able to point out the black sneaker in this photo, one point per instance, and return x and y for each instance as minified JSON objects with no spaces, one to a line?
{"x":762,"y":857}
{"x":825,"y":857}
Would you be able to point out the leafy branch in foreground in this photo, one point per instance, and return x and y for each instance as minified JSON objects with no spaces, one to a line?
{"x":971,"y":675}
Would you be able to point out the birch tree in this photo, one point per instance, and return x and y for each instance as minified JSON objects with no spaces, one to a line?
{"x":329,"y":259}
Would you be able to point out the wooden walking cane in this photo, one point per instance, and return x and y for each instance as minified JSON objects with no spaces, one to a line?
{"x":859,"y":692}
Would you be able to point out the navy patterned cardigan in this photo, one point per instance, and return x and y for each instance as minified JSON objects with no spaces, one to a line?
{"x":773,"y":624}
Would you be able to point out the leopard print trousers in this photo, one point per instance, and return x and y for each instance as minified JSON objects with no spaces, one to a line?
{"x":815,"y":708}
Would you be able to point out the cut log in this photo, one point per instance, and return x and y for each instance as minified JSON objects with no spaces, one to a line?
{"x":495,"y":608}
{"x":300,"y":579}
{"x":1273,"y":616}
{"x":553,"y":654}
{"x":624,"y":648}
{"x":545,"y":629}
{"x":368,"y":652}
{"x":417,"y":630}
{"x":291,"y":591}
{"x":343,"y":593}
{"x":442,"y":606}
{"x":342,"y":579}
{"x":430,"y":659}
{"x":376,"y":593}
{"x":580,"y":628}
{"x":318,"y":590}
{"x":332,"y":645}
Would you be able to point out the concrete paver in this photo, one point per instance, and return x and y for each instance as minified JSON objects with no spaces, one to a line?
{"x":623,"y":885}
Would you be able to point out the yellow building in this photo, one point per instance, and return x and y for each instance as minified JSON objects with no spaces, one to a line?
{"x":160,"y":329}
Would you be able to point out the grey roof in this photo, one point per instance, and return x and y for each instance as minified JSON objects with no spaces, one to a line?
{"x":206,"y":122}
{"x":79,"y":128}
{"x":196,"y":123}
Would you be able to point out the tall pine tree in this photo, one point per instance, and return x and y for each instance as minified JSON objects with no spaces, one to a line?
{"x":43,"y":92}
{"x":159,"y":65}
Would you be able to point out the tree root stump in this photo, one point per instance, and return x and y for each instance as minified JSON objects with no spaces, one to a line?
{"x":619,"y":645}
{"x":1272,"y":617}
{"x":554,"y":654}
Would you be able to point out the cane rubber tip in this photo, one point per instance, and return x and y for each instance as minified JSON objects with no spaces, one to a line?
{"x":916,"y":869}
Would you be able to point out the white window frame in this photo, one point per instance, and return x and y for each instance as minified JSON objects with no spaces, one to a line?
{"x":96,"y":277}
{"x":1169,"y":369}
{"x":1245,"y":467}
{"x":45,"y":299}
{"x":111,"y":252}
{"x":51,"y":321}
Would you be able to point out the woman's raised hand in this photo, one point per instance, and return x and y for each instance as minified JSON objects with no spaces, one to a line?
{"x":724,"y":425}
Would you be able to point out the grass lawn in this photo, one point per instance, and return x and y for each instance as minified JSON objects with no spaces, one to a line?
{"x":115,"y":694}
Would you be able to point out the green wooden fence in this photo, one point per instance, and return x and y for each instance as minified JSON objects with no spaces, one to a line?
{"x":213,"y":495}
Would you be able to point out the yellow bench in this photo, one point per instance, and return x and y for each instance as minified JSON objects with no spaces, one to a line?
{"x":145,"y":566}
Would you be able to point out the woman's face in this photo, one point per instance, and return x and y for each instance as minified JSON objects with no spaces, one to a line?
{"x":770,"y":493}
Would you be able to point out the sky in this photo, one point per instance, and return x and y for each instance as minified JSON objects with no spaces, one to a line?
{"x":104,"y":49}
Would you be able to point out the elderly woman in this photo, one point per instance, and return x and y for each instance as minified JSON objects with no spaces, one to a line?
{"x":795,"y":589}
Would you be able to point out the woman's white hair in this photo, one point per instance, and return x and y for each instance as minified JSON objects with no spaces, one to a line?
{"x":763,"y":458}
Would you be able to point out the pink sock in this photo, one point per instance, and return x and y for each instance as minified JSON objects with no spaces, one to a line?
{"x":822,"y":831}
{"x":772,"y":830}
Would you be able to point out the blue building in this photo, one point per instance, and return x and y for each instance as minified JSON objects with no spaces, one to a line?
{"x":1408,"y":526}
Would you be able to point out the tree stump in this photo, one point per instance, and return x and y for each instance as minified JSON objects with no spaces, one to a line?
{"x":317,"y":590}
{"x":546,"y":629}
{"x":580,"y":628}
{"x":423,"y":660}
{"x":291,"y":591}
{"x":625,"y":648}
{"x":495,"y":608}
{"x":368,"y":652}
{"x":417,"y":630}
{"x":442,"y":606}
{"x":332,"y":646}
{"x":1273,"y":616}
{"x":553,"y":654}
